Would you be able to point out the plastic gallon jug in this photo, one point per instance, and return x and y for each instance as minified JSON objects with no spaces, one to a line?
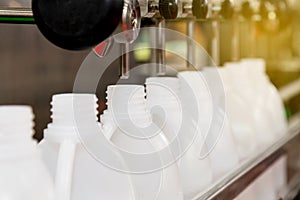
{"x":267,"y":93}
{"x":211,"y":119}
{"x":241,"y":119}
{"x":23,"y":175}
{"x":167,"y":111}
{"x":145,"y":147}
{"x":242,"y":86}
{"x":77,"y":172}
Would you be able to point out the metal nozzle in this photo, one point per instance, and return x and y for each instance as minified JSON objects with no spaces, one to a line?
{"x":130,"y":28}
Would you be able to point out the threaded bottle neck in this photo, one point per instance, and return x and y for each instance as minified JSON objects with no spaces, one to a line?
{"x":124,"y":99}
{"x":127,"y":102}
{"x":162,"y":90}
{"x":16,"y":130}
{"x":256,"y":64}
{"x":238,"y":75}
{"x":70,"y":109}
{"x":16,"y":121}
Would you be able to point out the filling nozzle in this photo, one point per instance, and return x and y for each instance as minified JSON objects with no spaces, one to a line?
{"x":236,"y":17}
{"x":190,"y":9}
{"x":129,"y":29}
{"x":250,"y":10}
{"x":168,"y":9}
{"x":160,"y":49}
{"x":268,"y":15}
{"x":159,"y":10}
{"x":193,"y":9}
{"x":125,"y":62}
{"x":218,"y":9}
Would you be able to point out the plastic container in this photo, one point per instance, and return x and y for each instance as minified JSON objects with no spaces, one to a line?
{"x":211,"y":119}
{"x":242,"y":86}
{"x":154,"y":172}
{"x":267,"y":93}
{"x":167,"y":111}
{"x":240,"y":117}
{"x":78,"y":174}
{"x":23,"y":175}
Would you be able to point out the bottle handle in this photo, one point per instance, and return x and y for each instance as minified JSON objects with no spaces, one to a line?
{"x":64,"y":170}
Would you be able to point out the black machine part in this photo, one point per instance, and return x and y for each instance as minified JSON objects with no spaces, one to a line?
{"x":77,"y":24}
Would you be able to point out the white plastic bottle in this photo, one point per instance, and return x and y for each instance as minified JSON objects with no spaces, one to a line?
{"x":212,"y":121}
{"x":167,"y":110}
{"x":153,"y":171}
{"x":267,"y":93}
{"x":23,"y":175}
{"x":78,"y":174}
{"x":241,"y":119}
{"x":242,"y":86}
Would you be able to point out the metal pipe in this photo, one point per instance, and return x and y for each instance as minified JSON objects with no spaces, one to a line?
{"x":125,"y":61}
{"x":160,"y":51}
{"x":16,"y":15}
{"x":190,"y":46}
{"x":252,"y":51}
{"x":216,"y":41}
{"x":235,"y":51}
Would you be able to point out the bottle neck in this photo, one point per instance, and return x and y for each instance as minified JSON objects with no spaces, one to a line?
{"x":16,"y":130}
{"x":16,"y":120}
{"x":127,"y":102}
{"x":72,"y":113}
{"x":238,"y":76}
{"x":70,"y":109}
{"x":163,"y":91}
{"x":256,"y":70}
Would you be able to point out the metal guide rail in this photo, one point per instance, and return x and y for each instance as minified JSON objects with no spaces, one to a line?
{"x":16,"y":15}
{"x":236,"y":181}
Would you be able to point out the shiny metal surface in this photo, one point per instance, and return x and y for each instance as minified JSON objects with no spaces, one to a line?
{"x":17,"y":12}
{"x":15,"y":3}
{"x":20,"y":15}
{"x":15,"y":8}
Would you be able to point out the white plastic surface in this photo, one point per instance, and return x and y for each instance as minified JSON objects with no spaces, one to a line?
{"x":78,"y":175}
{"x":220,"y":143}
{"x":23,"y":175}
{"x":242,"y":86}
{"x":135,"y":135}
{"x":267,"y":92}
{"x":166,"y":108}
{"x":240,"y":117}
